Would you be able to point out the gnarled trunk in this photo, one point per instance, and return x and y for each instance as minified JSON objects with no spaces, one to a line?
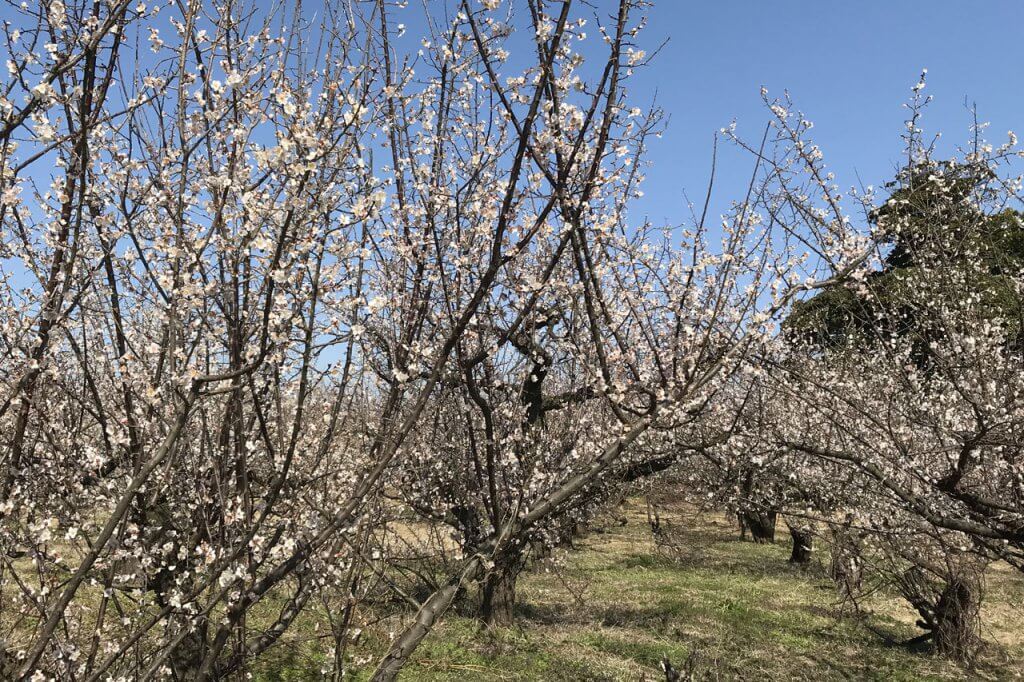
{"x":956,"y":630}
{"x":186,"y":658}
{"x":499,"y":599}
{"x":498,"y":592}
{"x":847,"y":567}
{"x":950,"y":616}
{"x":760,"y":524}
{"x":803,"y":544}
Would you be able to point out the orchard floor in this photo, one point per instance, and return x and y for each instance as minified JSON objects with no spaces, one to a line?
{"x":611,"y":609}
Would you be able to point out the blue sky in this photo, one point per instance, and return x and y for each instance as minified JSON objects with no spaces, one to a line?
{"x":849,"y":65}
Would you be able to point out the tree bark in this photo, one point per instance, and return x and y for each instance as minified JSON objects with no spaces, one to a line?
{"x":803,"y":544}
{"x":186,"y":660}
{"x":498,"y":592}
{"x":847,"y":567}
{"x":760,"y":524}
{"x":950,"y":617}
{"x":957,"y":626}
{"x":499,"y":599}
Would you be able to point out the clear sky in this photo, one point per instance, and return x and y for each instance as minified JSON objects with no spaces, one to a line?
{"x":848,"y":64}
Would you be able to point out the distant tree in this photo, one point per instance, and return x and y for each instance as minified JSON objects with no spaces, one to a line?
{"x":931,"y":220}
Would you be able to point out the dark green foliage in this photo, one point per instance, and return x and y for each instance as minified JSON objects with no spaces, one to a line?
{"x":941,"y":244}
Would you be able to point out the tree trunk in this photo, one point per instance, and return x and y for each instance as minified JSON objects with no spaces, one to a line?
{"x":957,"y":626}
{"x":187,"y":657}
{"x":760,"y":524}
{"x":847,"y":567}
{"x":803,"y":544}
{"x":950,"y":616}
{"x":498,"y":594}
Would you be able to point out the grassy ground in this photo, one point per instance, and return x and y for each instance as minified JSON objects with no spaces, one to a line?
{"x":612,"y":609}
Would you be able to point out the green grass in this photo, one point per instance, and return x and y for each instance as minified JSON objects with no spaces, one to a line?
{"x":611,"y":609}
